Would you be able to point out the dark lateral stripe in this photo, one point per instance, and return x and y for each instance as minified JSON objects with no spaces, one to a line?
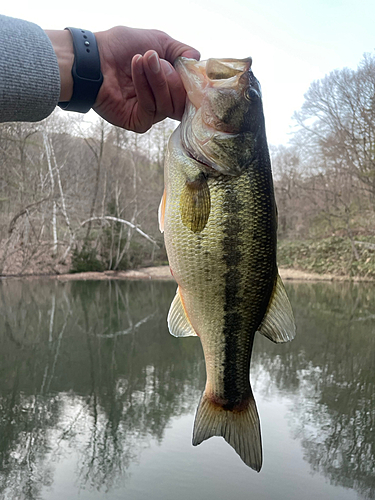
{"x":233,"y":320}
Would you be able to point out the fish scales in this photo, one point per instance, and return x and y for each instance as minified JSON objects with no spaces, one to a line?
{"x":244,"y":305}
{"x":218,"y":214}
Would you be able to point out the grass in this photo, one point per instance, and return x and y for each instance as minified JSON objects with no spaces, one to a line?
{"x":332,"y":255}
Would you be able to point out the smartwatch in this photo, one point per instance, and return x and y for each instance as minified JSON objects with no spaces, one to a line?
{"x":87,"y":76}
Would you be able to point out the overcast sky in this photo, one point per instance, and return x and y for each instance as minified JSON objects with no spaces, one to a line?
{"x":292,"y":42}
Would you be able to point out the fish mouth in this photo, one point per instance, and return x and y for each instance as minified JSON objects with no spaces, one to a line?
{"x":217,"y":111}
{"x":197,"y":75}
{"x":215,"y":73}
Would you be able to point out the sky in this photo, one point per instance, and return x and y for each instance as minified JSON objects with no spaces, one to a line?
{"x":292,"y":42}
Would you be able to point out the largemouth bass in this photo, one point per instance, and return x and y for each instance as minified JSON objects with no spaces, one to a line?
{"x":219,"y":219}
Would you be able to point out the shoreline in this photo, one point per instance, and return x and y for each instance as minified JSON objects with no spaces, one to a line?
{"x":162,"y":273}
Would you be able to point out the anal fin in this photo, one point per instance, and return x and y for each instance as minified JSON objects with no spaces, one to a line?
{"x":178,"y":322}
{"x":278,"y":323}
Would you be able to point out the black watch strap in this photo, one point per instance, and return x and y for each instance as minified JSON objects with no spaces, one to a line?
{"x":87,"y":77}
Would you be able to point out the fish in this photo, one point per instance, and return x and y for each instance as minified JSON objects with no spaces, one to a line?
{"x":219,"y":219}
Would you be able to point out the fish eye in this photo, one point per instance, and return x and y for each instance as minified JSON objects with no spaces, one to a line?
{"x":251,"y":95}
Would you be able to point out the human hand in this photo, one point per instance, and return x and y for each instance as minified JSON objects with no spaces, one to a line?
{"x":140,"y":85}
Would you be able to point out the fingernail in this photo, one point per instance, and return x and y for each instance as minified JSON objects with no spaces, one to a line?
{"x":154,"y":62}
{"x":138,"y":64}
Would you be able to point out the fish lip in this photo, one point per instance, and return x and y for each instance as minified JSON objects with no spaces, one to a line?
{"x":195,"y":75}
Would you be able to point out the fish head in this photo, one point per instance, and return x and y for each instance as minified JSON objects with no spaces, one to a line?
{"x":223,"y":122}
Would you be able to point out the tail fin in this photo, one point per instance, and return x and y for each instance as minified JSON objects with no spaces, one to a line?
{"x":241,"y":429}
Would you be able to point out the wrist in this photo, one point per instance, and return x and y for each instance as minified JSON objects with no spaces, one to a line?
{"x":63,"y":46}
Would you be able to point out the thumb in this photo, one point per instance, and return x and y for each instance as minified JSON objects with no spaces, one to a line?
{"x":175,"y":49}
{"x":191,"y":54}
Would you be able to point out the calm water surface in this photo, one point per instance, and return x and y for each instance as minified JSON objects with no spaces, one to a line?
{"x":97,"y":400}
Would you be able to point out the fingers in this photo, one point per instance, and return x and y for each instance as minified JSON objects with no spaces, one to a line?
{"x":159,"y":89}
{"x":176,"y":89}
{"x":157,"y":80}
{"x":144,"y":109}
{"x":152,"y":90}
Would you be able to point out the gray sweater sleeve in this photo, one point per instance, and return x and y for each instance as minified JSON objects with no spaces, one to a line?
{"x":29,"y":72}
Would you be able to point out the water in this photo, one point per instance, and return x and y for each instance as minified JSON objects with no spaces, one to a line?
{"x":97,"y":400}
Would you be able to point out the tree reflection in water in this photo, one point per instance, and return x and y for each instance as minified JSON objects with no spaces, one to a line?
{"x":329,"y":371}
{"x":90,"y":366}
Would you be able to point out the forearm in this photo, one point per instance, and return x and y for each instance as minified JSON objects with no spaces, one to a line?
{"x":63,"y":46}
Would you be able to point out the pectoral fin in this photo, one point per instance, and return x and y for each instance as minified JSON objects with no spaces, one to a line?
{"x":278,"y":324}
{"x":195,"y":204}
{"x":178,"y":322}
{"x":161,"y":211}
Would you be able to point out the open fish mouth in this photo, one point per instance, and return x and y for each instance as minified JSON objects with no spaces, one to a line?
{"x":209,"y":82}
{"x":216,"y":73}
{"x":222,"y":112}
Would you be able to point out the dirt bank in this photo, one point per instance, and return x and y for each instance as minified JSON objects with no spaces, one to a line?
{"x":163,"y":273}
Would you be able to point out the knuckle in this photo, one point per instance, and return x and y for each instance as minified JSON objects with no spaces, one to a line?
{"x":162,"y":35}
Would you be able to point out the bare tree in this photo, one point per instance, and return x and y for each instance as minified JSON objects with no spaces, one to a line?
{"x":337,"y":123}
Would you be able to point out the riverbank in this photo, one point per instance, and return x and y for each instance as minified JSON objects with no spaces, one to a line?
{"x":163,"y":273}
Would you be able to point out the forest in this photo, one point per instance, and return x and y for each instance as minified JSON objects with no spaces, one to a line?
{"x":79,"y":196}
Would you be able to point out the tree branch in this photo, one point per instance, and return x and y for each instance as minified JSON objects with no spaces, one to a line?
{"x":122,"y":221}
